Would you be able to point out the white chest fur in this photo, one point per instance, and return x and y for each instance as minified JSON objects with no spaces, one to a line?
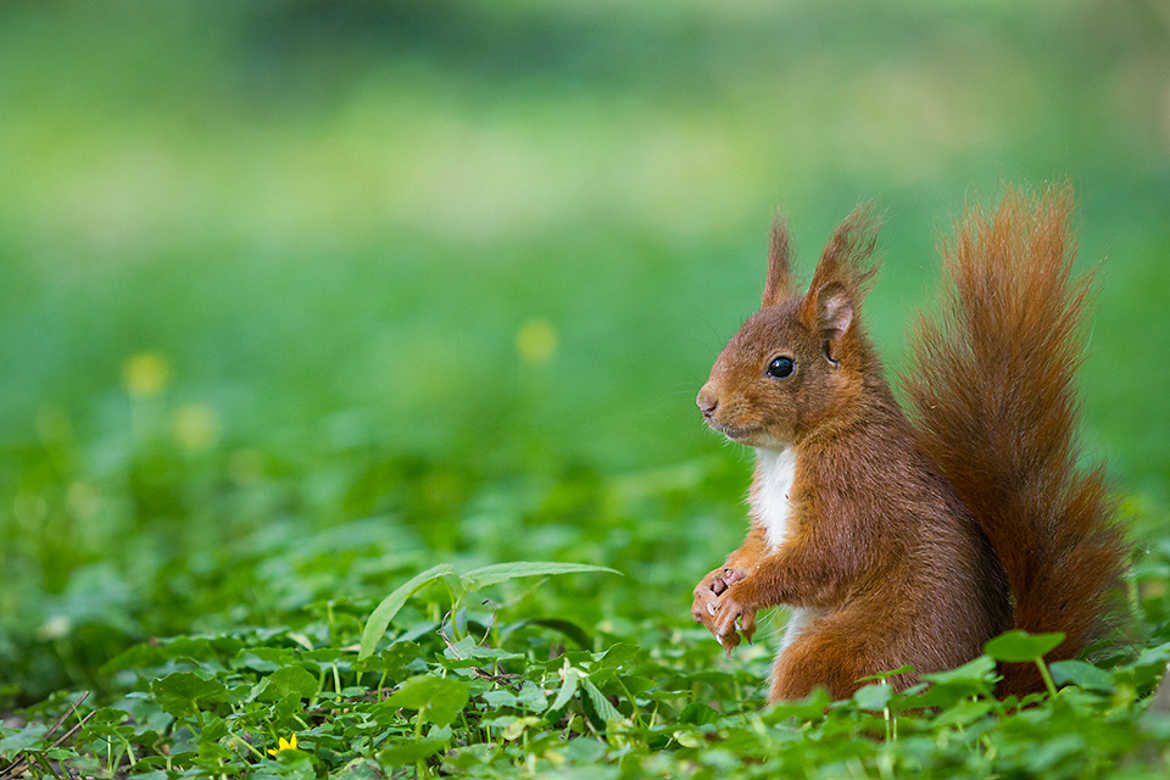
{"x":770,"y":499}
{"x":772,"y":506}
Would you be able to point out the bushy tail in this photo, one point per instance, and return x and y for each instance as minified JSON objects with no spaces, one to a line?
{"x":991,"y":382}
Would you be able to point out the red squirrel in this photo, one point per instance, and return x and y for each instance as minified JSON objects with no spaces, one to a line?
{"x":899,"y":540}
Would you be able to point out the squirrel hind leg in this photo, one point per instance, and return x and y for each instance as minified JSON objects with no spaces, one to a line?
{"x":817,"y":658}
{"x":831,"y":654}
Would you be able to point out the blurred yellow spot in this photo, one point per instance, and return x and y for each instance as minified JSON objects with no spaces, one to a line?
{"x":82,"y":500}
{"x":146,"y":374}
{"x":195,"y":426}
{"x":536,"y":341}
{"x":284,"y":744}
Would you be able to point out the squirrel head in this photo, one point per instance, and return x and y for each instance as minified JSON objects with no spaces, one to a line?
{"x":799,"y":362}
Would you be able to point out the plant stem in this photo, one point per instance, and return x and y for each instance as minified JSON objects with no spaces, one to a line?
{"x":129,"y":750}
{"x":239,"y":739}
{"x":419,"y":766}
{"x":320,"y":687}
{"x":1047,"y":677}
{"x":633,"y":704}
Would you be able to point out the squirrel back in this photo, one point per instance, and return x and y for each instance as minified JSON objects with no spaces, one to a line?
{"x":991,"y":383}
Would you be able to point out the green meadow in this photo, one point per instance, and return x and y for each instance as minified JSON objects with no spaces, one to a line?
{"x":299,"y":300}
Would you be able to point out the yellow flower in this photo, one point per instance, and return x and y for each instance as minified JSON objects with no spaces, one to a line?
{"x":536,"y":341}
{"x":284,"y":744}
{"x":146,"y":374}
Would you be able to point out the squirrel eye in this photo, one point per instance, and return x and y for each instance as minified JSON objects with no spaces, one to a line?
{"x":781,"y":367}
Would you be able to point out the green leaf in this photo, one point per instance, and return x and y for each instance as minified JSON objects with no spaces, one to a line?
{"x":532,"y":697}
{"x":263,"y":659}
{"x":438,"y":700}
{"x":697,"y":713}
{"x":964,"y":712}
{"x":213,"y":728}
{"x":1020,"y":646}
{"x":502,"y":572}
{"x":148,"y":717}
{"x":181,"y":693}
{"x":568,"y":688}
{"x":403,"y":752}
{"x":1080,"y":673}
{"x":380,"y":618}
{"x":974,"y":678}
{"x":584,"y":750}
{"x":568,"y":628}
{"x":289,"y":763}
{"x":880,"y":676}
{"x":516,"y":728}
{"x":21,"y":740}
{"x":601,"y":705}
{"x":291,"y":682}
{"x":811,"y":707}
{"x":873,"y":697}
{"x":360,"y":769}
{"x":500,"y":698}
{"x":468,"y":648}
{"x":616,"y":655}
{"x":391,"y":660}
{"x":981,"y":670}
{"x":1150,"y":663}
{"x":105,"y":716}
{"x":1047,"y":754}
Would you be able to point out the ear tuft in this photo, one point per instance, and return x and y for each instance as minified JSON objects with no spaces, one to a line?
{"x":848,"y":257}
{"x":778,"y":283}
{"x":844,"y":274}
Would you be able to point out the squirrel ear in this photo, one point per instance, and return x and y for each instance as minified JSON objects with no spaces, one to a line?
{"x":834,"y":311}
{"x":778,"y":283}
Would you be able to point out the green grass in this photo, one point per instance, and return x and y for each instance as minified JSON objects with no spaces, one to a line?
{"x":329,"y":232}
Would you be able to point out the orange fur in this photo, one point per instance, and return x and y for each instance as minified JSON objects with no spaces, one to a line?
{"x":992,"y":385}
{"x":905,"y":545}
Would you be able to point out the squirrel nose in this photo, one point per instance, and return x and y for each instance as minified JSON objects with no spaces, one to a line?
{"x":707,"y":401}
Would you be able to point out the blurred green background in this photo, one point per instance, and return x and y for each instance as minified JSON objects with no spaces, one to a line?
{"x":297,"y":297}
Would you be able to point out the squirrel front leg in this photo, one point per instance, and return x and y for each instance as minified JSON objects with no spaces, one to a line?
{"x":719,"y":580}
{"x":816,"y":568}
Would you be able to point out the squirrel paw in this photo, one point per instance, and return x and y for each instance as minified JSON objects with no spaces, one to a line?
{"x":709,"y":589}
{"x":732,"y":618}
{"x":723,"y":615}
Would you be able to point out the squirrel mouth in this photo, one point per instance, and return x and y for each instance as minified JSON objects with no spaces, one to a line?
{"x":734,"y":432}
